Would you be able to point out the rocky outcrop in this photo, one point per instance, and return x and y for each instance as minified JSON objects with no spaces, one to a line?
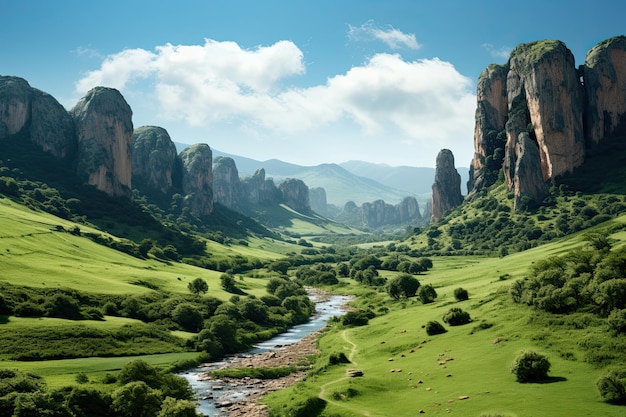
{"x":548,"y":98}
{"x":295,"y":194}
{"x":104,"y":130}
{"x":197,"y":178}
{"x":319,"y":203}
{"x":154,"y":164}
{"x":227,"y":189}
{"x":605,"y":85}
{"x":408,"y":210}
{"x":38,"y":115}
{"x":528,"y":180}
{"x":447,"y":186}
{"x":379,"y":214}
{"x":259,"y":190}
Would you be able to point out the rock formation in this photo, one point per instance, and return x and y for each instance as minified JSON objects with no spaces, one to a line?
{"x":319,"y":203}
{"x":408,"y":210}
{"x":227,"y":189}
{"x":153,"y":160}
{"x":379,"y":214}
{"x":548,"y":98}
{"x":605,"y":85}
{"x":258,"y":190}
{"x":295,"y":194}
{"x":38,"y":115}
{"x":528,"y":180}
{"x":447,"y":186}
{"x":104,"y":130}
{"x":197,"y":178}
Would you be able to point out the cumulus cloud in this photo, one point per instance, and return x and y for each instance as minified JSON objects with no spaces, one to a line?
{"x":501,"y":53}
{"x":392,"y":37}
{"x":388,"y":98}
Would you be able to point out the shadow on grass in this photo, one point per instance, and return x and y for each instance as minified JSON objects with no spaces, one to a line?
{"x":552,"y":379}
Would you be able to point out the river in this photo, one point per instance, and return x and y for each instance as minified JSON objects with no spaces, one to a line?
{"x":211,"y":393}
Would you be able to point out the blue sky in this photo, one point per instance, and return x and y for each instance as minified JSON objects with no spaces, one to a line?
{"x":307,"y":82}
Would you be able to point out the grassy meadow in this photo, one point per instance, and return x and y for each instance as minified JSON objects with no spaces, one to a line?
{"x":465,"y":371}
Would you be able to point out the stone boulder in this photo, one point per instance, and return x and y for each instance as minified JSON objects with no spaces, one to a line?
{"x":38,"y":115}
{"x":197,"y":178}
{"x":447,"y":186}
{"x":153,"y":160}
{"x":295,"y":194}
{"x":104,"y":131}
{"x":605,"y":84}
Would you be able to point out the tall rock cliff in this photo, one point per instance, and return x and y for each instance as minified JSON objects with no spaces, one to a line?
{"x":153,"y":160}
{"x":259,"y":190}
{"x":227,"y":188}
{"x":605,"y":84}
{"x":37,"y":115}
{"x":379,"y":214}
{"x":104,"y":130}
{"x":319,"y":203}
{"x":197,"y":178}
{"x":295,"y":194}
{"x":566,"y":111}
{"x":447,"y":186}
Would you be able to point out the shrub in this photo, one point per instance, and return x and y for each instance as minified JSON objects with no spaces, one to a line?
{"x":456,"y":317}
{"x":434,"y":327}
{"x":461,"y":294}
{"x":355,"y":318}
{"x":612,"y":388}
{"x":617,"y":321}
{"x":427,"y":294}
{"x":530,"y":366}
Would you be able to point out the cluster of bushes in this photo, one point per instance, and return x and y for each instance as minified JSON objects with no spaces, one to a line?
{"x":141,"y":391}
{"x":591,"y":279}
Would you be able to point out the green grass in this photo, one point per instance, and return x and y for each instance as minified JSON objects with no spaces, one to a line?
{"x":405,"y":370}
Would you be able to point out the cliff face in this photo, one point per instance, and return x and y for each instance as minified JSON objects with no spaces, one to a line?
{"x":227,"y":188}
{"x":258,"y":190}
{"x":295,"y":194}
{"x":24,"y":109}
{"x":447,"y":186}
{"x":319,"y":203}
{"x":197,"y":178}
{"x":153,"y":160}
{"x":547,"y":97}
{"x":104,"y":130}
{"x":379,"y":214}
{"x":605,"y":84}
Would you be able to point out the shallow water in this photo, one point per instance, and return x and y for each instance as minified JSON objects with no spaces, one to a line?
{"x":209,"y":393}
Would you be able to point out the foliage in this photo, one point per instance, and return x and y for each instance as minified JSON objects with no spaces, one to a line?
{"x":427,"y":294}
{"x":456,"y":317}
{"x":188,"y":316}
{"x":136,"y":399}
{"x":355,"y":318}
{"x":434,"y":328}
{"x":530,"y":366}
{"x":402,"y":286}
{"x":461,"y":294}
{"x":198,"y":286}
{"x":254,"y":372}
{"x":612,"y":387}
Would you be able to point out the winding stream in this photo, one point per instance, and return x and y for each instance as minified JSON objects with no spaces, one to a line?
{"x":211,"y":393}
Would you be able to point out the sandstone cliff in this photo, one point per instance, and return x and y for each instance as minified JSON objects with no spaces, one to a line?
{"x":153,"y":160}
{"x":37,"y":115}
{"x":104,"y":130}
{"x":447,"y":186}
{"x":197,"y":178}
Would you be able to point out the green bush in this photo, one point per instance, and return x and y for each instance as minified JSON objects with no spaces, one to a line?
{"x":461,"y":294}
{"x":530,"y":366}
{"x":434,"y":327}
{"x":617,"y":321}
{"x":456,"y":317}
{"x":355,"y":318}
{"x":612,"y":388}
{"x":427,"y":294}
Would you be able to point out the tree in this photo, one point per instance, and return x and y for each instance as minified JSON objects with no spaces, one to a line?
{"x":530,"y":366}
{"x":403,"y":285}
{"x":427,"y":294}
{"x":188,"y":316}
{"x":612,"y":388}
{"x":456,"y":317}
{"x":228,"y":283}
{"x":461,"y":294}
{"x":177,"y":408}
{"x":136,"y":399}
{"x":198,"y":286}
{"x":434,"y":327}
{"x":139,"y":370}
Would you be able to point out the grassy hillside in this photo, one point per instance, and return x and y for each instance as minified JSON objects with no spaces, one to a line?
{"x":465,"y":371}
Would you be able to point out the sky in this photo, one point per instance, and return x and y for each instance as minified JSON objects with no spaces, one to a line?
{"x":307,"y":82}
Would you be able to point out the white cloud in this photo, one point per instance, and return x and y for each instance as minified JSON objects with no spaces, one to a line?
{"x":424,"y":103}
{"x":392,"y":37}
{"x":504,"y":52}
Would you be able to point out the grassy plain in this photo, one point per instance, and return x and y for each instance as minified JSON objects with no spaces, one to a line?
{"x":465,"y":371}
